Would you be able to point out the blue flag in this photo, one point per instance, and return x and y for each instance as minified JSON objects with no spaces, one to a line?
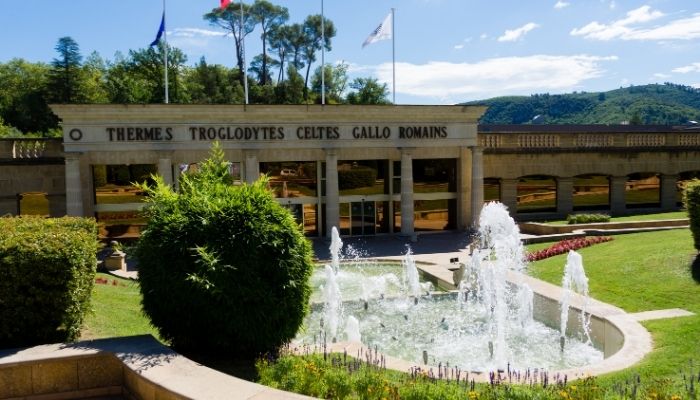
{"x":161,"y":30}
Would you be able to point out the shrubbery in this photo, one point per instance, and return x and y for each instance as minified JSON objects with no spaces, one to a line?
{"x":691,"y":198}
{"x":336,"y":376}
{"x":587,"y":218}
{"x":47,"y":270}
{"x":223,"y":268}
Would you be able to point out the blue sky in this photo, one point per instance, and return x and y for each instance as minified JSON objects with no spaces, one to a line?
{"x":447,"y":51}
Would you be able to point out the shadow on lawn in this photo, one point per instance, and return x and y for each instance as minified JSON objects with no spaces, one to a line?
{"x":695,"y":268}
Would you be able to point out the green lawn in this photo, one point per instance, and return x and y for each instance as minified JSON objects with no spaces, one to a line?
{"x":638,"y":217}
{"x":117,"y":310}
{"x":643,"y":272}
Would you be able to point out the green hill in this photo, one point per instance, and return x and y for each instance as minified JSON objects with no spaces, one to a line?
{"x":667,"y":104}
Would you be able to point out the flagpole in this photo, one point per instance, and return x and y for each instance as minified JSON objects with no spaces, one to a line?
{"x":393,"y":55}
{"x":245,"y":74}
{"x":323,"y":58}
{"x":165,"y":37}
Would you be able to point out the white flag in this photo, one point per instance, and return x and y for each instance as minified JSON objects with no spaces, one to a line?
{"x":383,"y":32}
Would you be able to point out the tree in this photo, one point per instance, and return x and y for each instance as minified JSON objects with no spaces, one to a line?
{"x":213,"y":84}
{"x":257,"y":68}
{"x":290,"y":91}
{"x":336,"y":80}
{"x":23,"y":96}
{"x":94,"y":74}
{"x":315,"y":41}
{"x":297,"y":41}
{"x":123,"y":86}
{"x":222,"y":269}
{"x":368,"y":91}
{"x":65,"y":76}
{"x":269,"y":17}
{"x":229,"y":19}
{"x":147,"y":64}
{"x":279,"y":39}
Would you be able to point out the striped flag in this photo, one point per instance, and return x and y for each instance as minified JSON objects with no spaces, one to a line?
{"x":383,"y":32}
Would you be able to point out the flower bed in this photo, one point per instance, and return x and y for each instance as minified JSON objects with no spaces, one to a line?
{"x":565,"y":245}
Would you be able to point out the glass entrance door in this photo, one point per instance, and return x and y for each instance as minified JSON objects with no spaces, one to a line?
{"x":363,"y":215}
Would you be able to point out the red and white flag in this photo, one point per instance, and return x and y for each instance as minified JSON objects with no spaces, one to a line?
{"x":224,"y":4}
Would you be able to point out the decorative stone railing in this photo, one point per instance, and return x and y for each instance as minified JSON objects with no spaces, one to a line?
{"x":538,"y":141}
{"x":30,"y":149}
{"x":639,"y":140}
{"x":592,"y":140}
{"x":587,"y":141}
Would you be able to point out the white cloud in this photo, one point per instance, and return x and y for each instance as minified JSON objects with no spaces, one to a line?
{"x":455,"y":82}
{"x":561,"y":4}
{"x":459,"y":47}
{"x":483,"y":36}
{"x":517,"y":33}
{"x":694,"y":67}
{"x":628,"y":28}
{"x":195,"y":33}
{"x":660,"y":75}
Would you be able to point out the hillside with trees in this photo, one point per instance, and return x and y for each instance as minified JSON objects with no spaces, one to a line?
{"x":656,"y":104}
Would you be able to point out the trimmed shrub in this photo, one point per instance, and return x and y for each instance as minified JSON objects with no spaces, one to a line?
{"x":587,"y":218}
{"x":47,"y":272}
{"x":691,"y":199}
{"x":223,"y":268}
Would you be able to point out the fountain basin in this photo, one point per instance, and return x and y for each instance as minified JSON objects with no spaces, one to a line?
{"x":622,"y":339}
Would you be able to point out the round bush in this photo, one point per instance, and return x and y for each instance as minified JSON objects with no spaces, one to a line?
{"x":223,"y":268}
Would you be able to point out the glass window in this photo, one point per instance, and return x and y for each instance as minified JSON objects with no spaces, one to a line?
{"x":291,"y":179}
{"x":397,"y":176}
{"x":435,"y":176}
{"x":435,"y":215}
{"x":364,"y":177}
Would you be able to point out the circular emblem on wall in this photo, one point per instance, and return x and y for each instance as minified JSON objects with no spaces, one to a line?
{"x":75,"y":134}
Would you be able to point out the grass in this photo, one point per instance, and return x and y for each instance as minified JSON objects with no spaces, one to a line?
{"x":643,"y":272}
{"x":117,"y":310}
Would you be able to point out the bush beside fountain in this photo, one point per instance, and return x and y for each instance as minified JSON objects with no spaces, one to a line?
{"x":223,"y":269}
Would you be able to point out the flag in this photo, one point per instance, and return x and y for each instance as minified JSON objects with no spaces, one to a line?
{"x":383,"y":32}
{"x":224,"y":4}
{"x":161,"y":30}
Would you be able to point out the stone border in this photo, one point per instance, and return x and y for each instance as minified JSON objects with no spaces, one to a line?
{"x":534,"y":228}
{"x":137,"y":367}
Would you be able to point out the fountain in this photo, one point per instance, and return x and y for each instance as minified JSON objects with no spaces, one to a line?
{"x":486,"y":325}
{"x":574,"y":280}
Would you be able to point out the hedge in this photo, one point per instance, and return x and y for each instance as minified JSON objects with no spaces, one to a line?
{"x":587,"y":218}
{"x":223,"y":269}
{"x":691,"y":198}
{"x":47,"y":272}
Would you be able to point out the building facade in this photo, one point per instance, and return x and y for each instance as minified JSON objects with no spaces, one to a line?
{"x":365,"y":169}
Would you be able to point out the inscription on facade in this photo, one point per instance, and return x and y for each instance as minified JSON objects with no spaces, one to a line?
{"x":276,"y":133}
